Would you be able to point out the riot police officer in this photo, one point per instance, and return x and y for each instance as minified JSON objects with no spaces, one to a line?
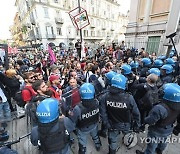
{"x":146,"y":64}
{"x":161,"y":119}
{"x":118,"y":110}
{"x":52,"y":131}
{"x":135,"y":67}
{"x":158,"y":63}
{"x":166,"y":73}
{"x":127,"y":72}
{"x":108,"y":78}
{"x":86,"y":117}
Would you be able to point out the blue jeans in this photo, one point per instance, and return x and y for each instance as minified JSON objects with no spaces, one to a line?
{"x":82,"y":136}
{"x":152,"y":145}
{"x":5,"y":112}
{"x":112,"y":138}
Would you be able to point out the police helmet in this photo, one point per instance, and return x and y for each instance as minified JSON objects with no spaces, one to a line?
{"x":146,"y":61}
{"x":126,"y":69}
{"x":48,"y":110}
{"x":168,"y":68}
{"x":130,"y":140}
{"x":172,"y":92}
{"x":119,"y":81}
{"x":155,"y":71}
{"x":170,"y":61}
{"x":158,"y":63}
{"x":162,"y":57}
{"x":171,"y":54}
{"x":87,"y":91}
{"x":110,"y":75}
{"x":134,"y":64}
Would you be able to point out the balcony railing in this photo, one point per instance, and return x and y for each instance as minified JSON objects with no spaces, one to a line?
{"x":59,"y":20}
{"x":92,"y":25}
{"x":50,"y":36}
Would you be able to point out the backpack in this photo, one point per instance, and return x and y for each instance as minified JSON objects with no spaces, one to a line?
{"x":98,"y":87}
{"x":18,"y":97}
{"x":150,"y":98}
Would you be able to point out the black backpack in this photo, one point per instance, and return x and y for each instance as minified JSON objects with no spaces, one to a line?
{"x":150,"y":98}
{"x":18,"y":97}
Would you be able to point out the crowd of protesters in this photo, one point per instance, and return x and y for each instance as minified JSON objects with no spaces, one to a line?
{"x":37,"y":78}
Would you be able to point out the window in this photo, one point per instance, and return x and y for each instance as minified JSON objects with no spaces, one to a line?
{"x":92,"y":2}
{"x":85,"y":33}
{"x":49,"y":30}
{"x":59,"y":31}
{"x":46,"y":14}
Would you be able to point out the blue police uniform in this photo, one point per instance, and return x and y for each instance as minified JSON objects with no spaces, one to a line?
{"x":52,"y":132}
{"x":86,"y":117}
{"x":161,"y":119}
{"x":118,"y":110}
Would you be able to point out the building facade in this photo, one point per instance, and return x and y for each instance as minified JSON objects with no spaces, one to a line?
{"x":48,"y":21}
{"x":150,"y":21}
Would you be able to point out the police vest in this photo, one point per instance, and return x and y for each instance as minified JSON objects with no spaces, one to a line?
{"x":118,"y":108}
{"x":170,"y":119}
{"x":89,"y":115}
{"x":52,"y":142}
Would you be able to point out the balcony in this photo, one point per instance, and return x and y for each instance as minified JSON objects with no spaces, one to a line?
{"x":59,"y":20}
{"x":38,"y":36}
{"x":112,"y":28}
{"x":50,"y":36}
{"x":103,"y":27}
{"x":92,"y":25}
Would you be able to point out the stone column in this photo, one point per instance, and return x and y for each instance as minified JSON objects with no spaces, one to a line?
{"x":147,"y":10}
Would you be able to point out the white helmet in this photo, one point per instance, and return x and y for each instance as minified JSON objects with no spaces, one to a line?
{"x":130,"y":140}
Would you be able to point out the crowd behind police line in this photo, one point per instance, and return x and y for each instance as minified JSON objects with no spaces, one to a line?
{"x":108,"y":86}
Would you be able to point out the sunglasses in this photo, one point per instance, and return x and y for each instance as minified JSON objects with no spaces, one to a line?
{"x":33,"y":77}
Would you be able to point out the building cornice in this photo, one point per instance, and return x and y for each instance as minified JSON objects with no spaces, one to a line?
{"x":145,"y":33}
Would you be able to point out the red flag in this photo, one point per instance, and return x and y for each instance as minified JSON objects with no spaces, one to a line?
{"x":9,"y":50}
{"x":52,"y":56}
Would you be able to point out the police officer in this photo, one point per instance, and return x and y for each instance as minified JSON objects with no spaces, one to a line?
{"x":146,"y":64}
{"x":52,"y":131}
{"x":166,"y":73}
{"x":118,"y":110}
{"x":161,"y":119}
{"x":127,"y":72}
{"x":158,"y":63}
{"x":108,"y":78}
{"x":135,"y":67}
{"x":86,"y":117}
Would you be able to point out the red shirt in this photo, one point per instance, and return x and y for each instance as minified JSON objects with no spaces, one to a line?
{"x":28,"y":94}
{"x":56,"y":93}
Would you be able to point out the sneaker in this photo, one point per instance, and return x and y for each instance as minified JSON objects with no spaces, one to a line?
{"x":98,"y":147}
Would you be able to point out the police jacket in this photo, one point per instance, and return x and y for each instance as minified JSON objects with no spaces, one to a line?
{"x":167,"y":79}
{"x":143,"y":72}
{"x":119,"y":110}
{"x":162,"y":117}
{"x":86,"y":115}
{"x":54,"y":136}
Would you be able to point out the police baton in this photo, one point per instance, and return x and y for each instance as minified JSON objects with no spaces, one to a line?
{"x":14,"y":142}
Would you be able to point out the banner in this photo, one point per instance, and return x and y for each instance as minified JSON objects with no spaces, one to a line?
{"x":52,"y":56}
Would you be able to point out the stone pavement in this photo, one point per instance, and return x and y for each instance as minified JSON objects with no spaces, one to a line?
{"x":18,"y":128}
